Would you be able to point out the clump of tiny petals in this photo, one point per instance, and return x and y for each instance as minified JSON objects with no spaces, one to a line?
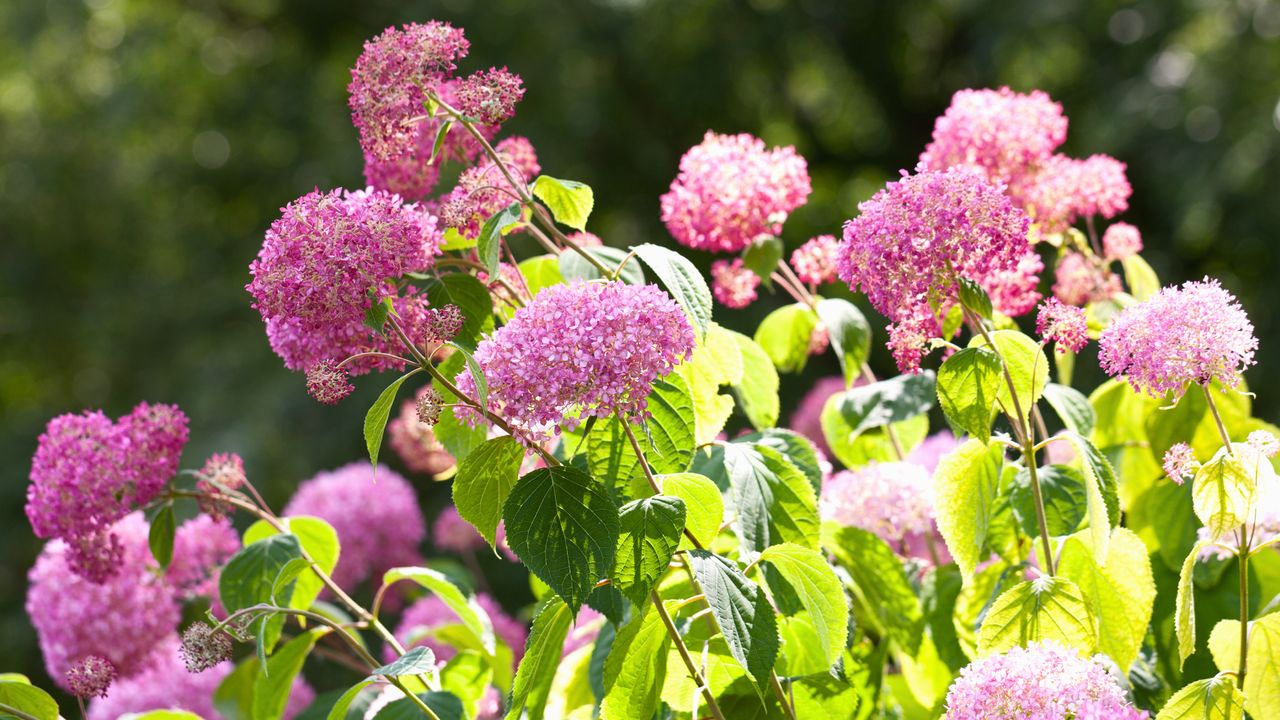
{"x":326,"y":260}
{"x":428,"y":405}
{"x":1080,"y":280}
{"x":894,"y":500}
{"x":484,"y":189}
{"x":375,"y":513}
{"x":815,"y":261}
{"x":912,"y":240}
{"x":1196,"y":333}
{"x":1120,"y":241}
{"x":733,"y":284}
{"x":222,"y":473}
{"x":412,"y":437}
{"x":91,"y":677}
{"x":430,"y":612}
{"x":1264,"y":442}
{"x":489,"y":96}
{"x":442,"y":324}
{"x":411,"y":175}
{"x":201,"y":546}
{"x":205,"y":647}
{"x":327,"y":383}
{"x":1180,"y":463}
{"x":1043,"y":680}
{"x":95,"y":556}
{"x":450,"y":532}
{"x":731,"y":189}
{"x":580,"y":350}
{"x":1063,"y":324}
{"x":1066,"y":189}
{"x":583,"y":238}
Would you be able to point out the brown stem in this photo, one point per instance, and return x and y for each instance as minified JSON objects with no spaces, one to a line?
{"x":694,"y":672}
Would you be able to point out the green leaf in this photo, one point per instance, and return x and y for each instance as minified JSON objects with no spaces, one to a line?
{"x":339,"y":709}
{"x":682,"y":280}
{"x":160,"y":537}
{"x":757,"y":391}
{"x":1047,"y":608}
{"x":785,"y":335}
{"x":1098,"y":475}
{"x":666,"y":438}
{"x":741,"y":611}
{"x":375,"y":316}
{"x":762,"y":257}
{"x":1215,"y":698}
{"x":1261,"y":682}
{"x":249,"y":576}
{"x":1027,"y":365}
{"x":704,"y":507}
{"x":458,"y":438}
{"x":965,"y":485}
{"x":541,"y":657}
{"x":271,"y":691}
{"x":635,"y":669}
{"x":29,"y":699}
{"x":569,"y":200}
{"x":575,"y":267}
{"x":375,"y":421}
{"x":564,"y":527}
{"x":874,"y":445}
{"x":649,"y":532}
{"x":975,"y":298}
{"x":819,"y":592}
{"x":773,"y":500}
{"x":541,"y":271}
{"x":1120,"y":594}
{"x":489,"y":244}
{"x":879,"y":581}
{"x":484,"y":480}
{"x":459,"y":600}
{"x":967,"y":386}
{"x":1063,"y":491}
{"x":233,"y":697}
{"x":1072,"y":406}
{"x":1184,"y":613}
{"x":467,"y":675}
{"x":471,"y":297}
{"x":888,"y":401}
{"x":445,"y":705}
{"x":417,"y":661}
{"x":441,"y":134}
{"x":455,"y":240}
{"x":477,"y":375}
{"x":1139,"y":277}
{"x":1223,"y":491}
{"x":849,"y":332}
{"x":716,"y":361}
{"x":318,"y":539}
{"x":794,"y":448}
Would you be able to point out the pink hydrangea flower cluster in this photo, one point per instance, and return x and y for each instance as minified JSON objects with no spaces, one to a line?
{"x":586,"y":628}
{"x":913,"y":239}
{"x":731,"y":189}
{"x":89,"y":472}
{"x":1043,"y":681}
{"x":1180,"y":463}
{"x":585,"y":239}
{"x":450,"y":532}
{"x":201,"y":546}
{"x":1063,"y":324}
{"x":580,"y":350}
{"x":325,"y":262}
{"x":733,"y":285}
{"x":894,"y":500}
{"x":415,"y":441}
{"x":930,"y":450}
{"x":815,"y":261}
{"x":1264,"y":442}
{"x":807,"y":417}
{"x":484,"y":189}
{"x":222,"y":473}
{"x":431,"y":612}
{"x":1120,"y":241}
{"x":91,"y":677}
{"x":375,"y":513}
{"x":1067,"y":189}
{"x":1079,"y":280}
{"x":490,"y":96}
{"x":1196,"y":333}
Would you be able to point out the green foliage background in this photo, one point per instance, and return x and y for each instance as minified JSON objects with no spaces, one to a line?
{"x":146,"y":144}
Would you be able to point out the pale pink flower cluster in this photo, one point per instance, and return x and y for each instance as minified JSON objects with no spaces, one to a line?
{"x":586,"y":628}
{"x":1196,"y":333}
{"x":894,"y":500}
{"x":1264,"y":442}
{"x":1043,"y":681}
{"x":583,"y":238}
{"x":1063,"y":324}
{"x":431,"y":612}
{"x":326,"y":261}
{"x":375,"y":513}
{"x":1179,"y":463}
{"x":580,"y":350}
{"x":911,"y":242}
{"x":807,"y":417}
{"x":201,"y":546}
{"x":1080,"y":280}
{"x":415,"y":441}
{"x":450,"y":532}
{"x":1067,"y":189}
{"x":484,"y":189}
{"x":732,"y":189}
{"x":815,"y":261}
{"x":733,"y":285}
{"x":1120,"y":241}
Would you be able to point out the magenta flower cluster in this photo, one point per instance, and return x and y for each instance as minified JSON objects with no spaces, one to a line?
{"x":580,"y":350}
{"x":1196,"y":333}
{"x":414,"y":440}
{"x":1179,"y":462}
{"x":1067,"y":189}
{"x":1043,"y":681}
{"x":815,"y":261}
{"x":1080,"y":280}
{"x":326,"y":261}
{"x":485,"y":189}
{"x":431,"y":612}
{"x":914,"y":239}
{"x":1063,"y":324}
{"x":451,"y":533}
{"x":894,"y":500}
{"x":1120,"y":241}
{"x":732,"y":284}
{"x":732,"y":189}
{"x":490,"y":96}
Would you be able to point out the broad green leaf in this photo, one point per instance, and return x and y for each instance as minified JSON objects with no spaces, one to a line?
{"x":489,"y":244}
{"x":794,"y":447}
{"x":1224,"y":488}
{"x":773,"y":500}
{"x":667,"y":437}
{"x":461,"y":601}
{"x":160,"y":537}
{"x":704,"y":507}
{"x":967,"y":385}
{"x":1062,"y":489}
{"x":540,"y":272}
{"x":888,"y":401}
{"x":761,"y":257}
{"x":1072,"y":407}
{"x":1123,"y":437}
{"x":741,"y":611}
{"x":720,"y":670}
{"x":879,"y":581}
{"x":874,"y":445}
{"x":339,"y":709}
{"x":446,"y":706}
{"x":455,"y":240}
{"x":1224,"y":645}
{"x":575,"y":267}
{"x":563,"y":525}
{"x":819,"y":591}
{"x":974,"y":297}
{"x":233,"y":697}
{"x":27,"y":698}
{"x":635,"y":669}
{"x":572,"y":695}
{"x":1139,"y":277}
{"x":682,"y":281}
{"x":1120,"y":594}
{"x":416,"y":661}
{"x":1190,"y":421}
{"x":458,"y":438}
{"x":1184,"y":616}
{"x":477,"y":374}
{"x":649,"y":532}
{"x":471,"y":297}
{"x":1027,"y":365}
{"x":318,"y":539}
{"x":1098,"y":474}
{"x":15,"y":677}
{"x":1215,"y":698}
{"x":849,"y":332}
{"x":272,"y":688}
{"x":570,"y":201}
{"x":467,"y":675}
{"x":1047,"y":608}
{"x":785,"y":336}
{"x":939,"y":592}
{"x":249,"y":576}
{"x":375,"y":421}
{"x":484,"y":480}
{"x":757,"y":391}
{"x":964,"y":487}
{"x":716,"y":361}
{"x":541,"y":656}
{"x":1261,"y":681}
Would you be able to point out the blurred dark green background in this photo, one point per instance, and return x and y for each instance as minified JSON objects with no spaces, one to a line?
{"x":146,"y":145}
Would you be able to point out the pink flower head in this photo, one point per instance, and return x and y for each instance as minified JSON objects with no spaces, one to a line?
{"x":414,"y":440}
{"x":580,"y":350}
{"x":201,"y":546}
{"x":1043,"y":680}
{"x":431,"y":612}
{"x":1066,"y":189}
{"x":582,"y":238}
{"x":1121,"y":240}
{"x":325,"y":262}
{"x":586,"y":628}
{"x":815,"y":261}
{"x":807,"y":418}
{"x":119,"y":620}
{"x":391,"y":79}
{"x":1080,"y":280}
{"x":1264,"y":442}
{"x":1003,"y":133}
{"x":1063,"y":324}
{"x":450,"y":532}
{"x":490,"y":96}
{"x":91,"y":677}
{"x":894,"y":500}
{"x":930,"y":451}
{"x":1196,"y":333}
{"x":375,"y":514}
{"x":733,"y":284}
{"x":731,"y":189}
{"x":327,"y":383}
{"x":1180,"y":463}
{"x":412,"y":176}
{"x":913,"y":239}
{"x":485,"y":189}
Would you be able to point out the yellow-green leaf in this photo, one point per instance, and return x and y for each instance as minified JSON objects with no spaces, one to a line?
{"x":570,"y":201}
{"x":819,"y":592}
{"x":964,"y":487}
{"x":716,"y":361}
{"x":1184,"y":610}
{"x":1215,"y":698}
{"x":1027,"y":365}
{"x":704,"y":506}
{"x":1121,"y":593}
{"x":1047,"y":608}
